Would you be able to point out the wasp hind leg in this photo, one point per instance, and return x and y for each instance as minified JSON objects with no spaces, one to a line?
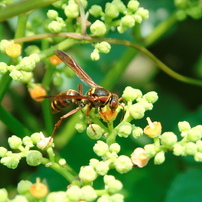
{"x":62,"y":118}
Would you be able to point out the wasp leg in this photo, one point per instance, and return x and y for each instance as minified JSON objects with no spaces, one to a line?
{"x":62,"y":118}
{"x":88,"y":117}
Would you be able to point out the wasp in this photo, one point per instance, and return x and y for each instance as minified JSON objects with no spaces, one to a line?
{"x":95,"y":97}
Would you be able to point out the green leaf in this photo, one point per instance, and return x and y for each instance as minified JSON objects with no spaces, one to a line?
{"x":186,"y":187}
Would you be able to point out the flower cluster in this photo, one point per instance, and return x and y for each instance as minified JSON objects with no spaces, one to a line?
{"x":33,"y":157}
{"x":22,"y":70}
{"x":188,"y":8}
{"x":27,"y":191}
{"x":117,"y":15}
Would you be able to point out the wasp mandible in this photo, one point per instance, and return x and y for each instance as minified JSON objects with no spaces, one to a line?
{"x":95,"y":97}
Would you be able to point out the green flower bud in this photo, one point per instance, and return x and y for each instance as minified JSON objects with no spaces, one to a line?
{"x":144,"y":13}
{"x":35,"y":57}
{"x":178,"y":150}
{"x":199,"y":145}
{"x":16,"y":75}
{"x":14,"y":142}
{"x":55,"y":26}
{"x":88,"y":193}
{"x":3,"y":44}
{"x":93,"y":162}
{"x":137,"y":132}
{"x":124,"y":129}
{"x":108,"y":178}
{"x":100,"y":148}
{"x":4,"y":195}
{"x":32,"y":49}
{"x":117,"y":198}
{"x":36,"y":137}
{"x":98,"y":28}
{"x":10,"y":162}
{"x":23,"y":187}
{"x":194,"y":134}
{"x":137,"y":18}
{"x":26,"y":77}
{"x":84,"y":3}
{"x":111,"y":10}
{"x":159,"y":158}
{"x":131,"y":94}
{"x":102,"y":168}
{"x":133,"y":5}
{"x":150,"y":150}
{"x":137,"y":111}
{"x":190,"y":148}
{"x":114,"y":186}
{"x":115,"y":147}
{"x":59,"y":196}
{"x":72,"y":10}
{"x":183,"y":126}
{"x":181,"y":3}
{"x":168,"y":139}
{"x":123,"y":164}
{"x":95,"y":10}
{"x":121,"y":29}
{"x":27,"y":64}
{"x":195,"y":12}
{"x":27,"y":141}
{"x":62,"y":162}
{"x":104,"y":198}
{"x":74,"y":193}
{"x":52,"y":14}
{"x":145,"y":104}
{"x":181,"y":15}
{"x":119,"y":5}
{"x":127,"y":21}
{"x":3,"y":67}
{"x":19,"y":198}
{"x":198,"y":127}
{"x":34,"y":158}
{"x":87,"y":174}
{"x":3,"y":152}
{"x":80,"y":126}
{"x":103,"y":47}
{"x":198,"y":156}
{"x":151,"y":97}
{"x":57,"y":80}
{"x":94,"y":131}
{"x":95,"y":55}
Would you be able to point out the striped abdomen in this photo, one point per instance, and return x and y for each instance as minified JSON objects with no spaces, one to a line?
{"x":61,"y":101}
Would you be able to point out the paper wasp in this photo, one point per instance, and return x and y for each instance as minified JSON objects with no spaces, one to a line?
{"x":96,"y":96}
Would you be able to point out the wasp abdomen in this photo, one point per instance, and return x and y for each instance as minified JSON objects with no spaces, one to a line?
{"x":59,"y":103}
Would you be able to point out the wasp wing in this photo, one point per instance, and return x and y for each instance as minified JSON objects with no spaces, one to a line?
{"x":68,"y":60}
{"x":62,"y":96}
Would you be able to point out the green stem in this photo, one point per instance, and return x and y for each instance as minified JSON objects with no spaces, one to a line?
{"x":21,"y":26}
{"x":4,"y":83}
{"x":124,"y":60}
{"x":111,"y":138}
{"x":160,"y":30}
{"x":111,"y":78}
{"x":22,"y":7}
{"x":61,"y":170}
{"x":13,"y":124}
{"x":48,"y":122}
